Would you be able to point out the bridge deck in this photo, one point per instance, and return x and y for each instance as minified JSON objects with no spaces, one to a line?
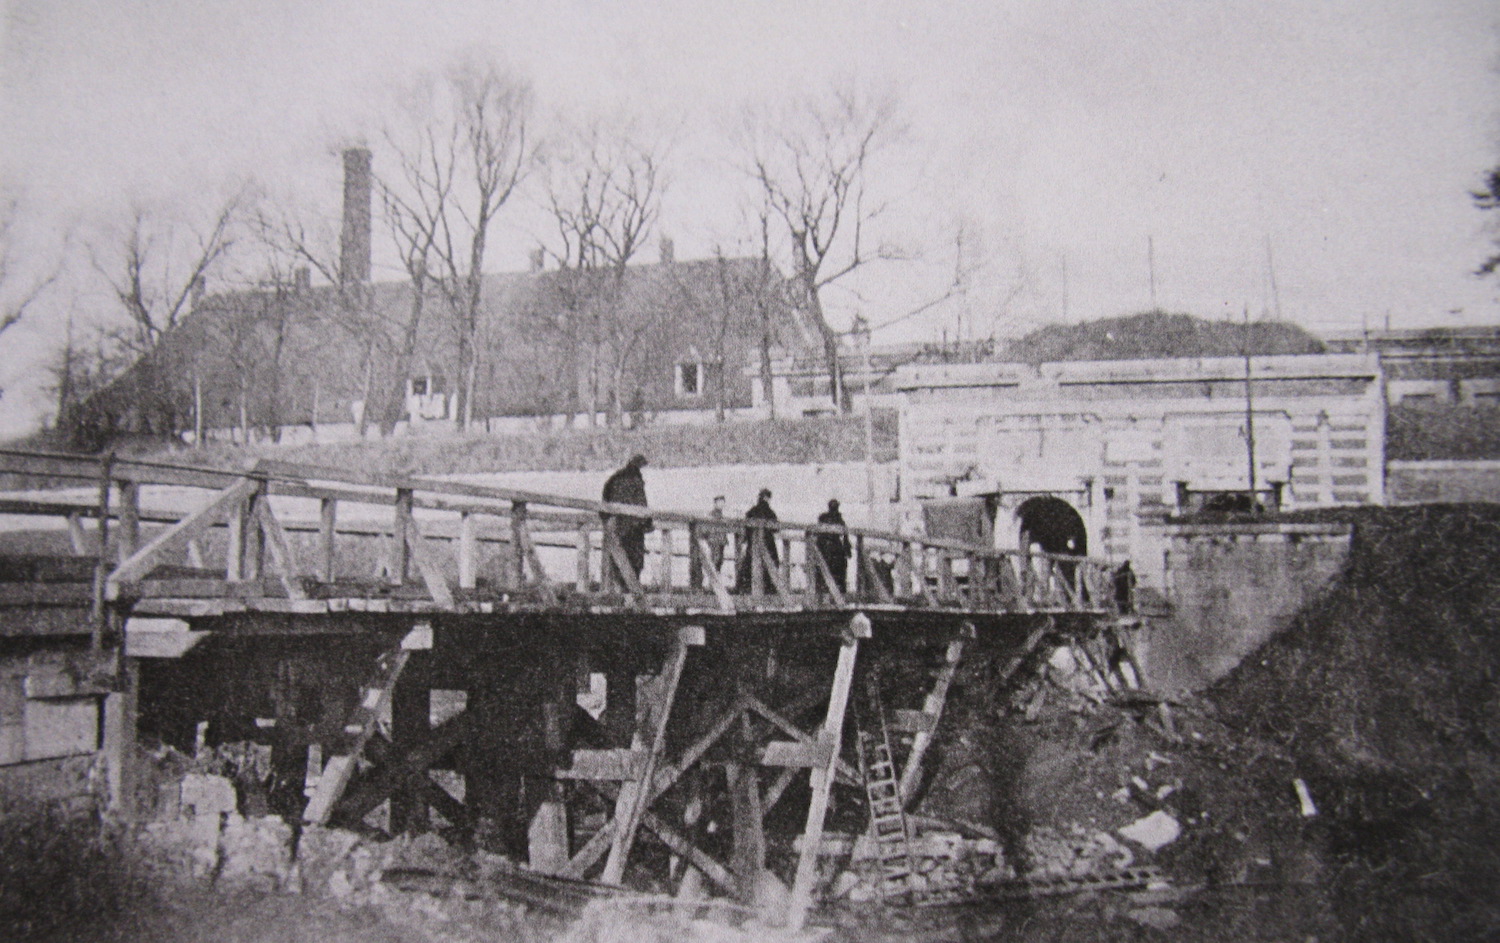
{"x":290,"y":539}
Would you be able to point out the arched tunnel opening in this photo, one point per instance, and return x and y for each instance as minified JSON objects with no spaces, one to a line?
{"x":1053,"y":525}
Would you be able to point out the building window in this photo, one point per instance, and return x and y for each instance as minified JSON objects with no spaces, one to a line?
{"x":690,"y":379}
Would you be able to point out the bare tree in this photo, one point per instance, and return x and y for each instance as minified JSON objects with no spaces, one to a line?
{"x":416,"y":201}
{"x":462,"y":158}
{"x":19,"y":291}
{"x":812,"y":162}
{"x":604,"y":195}
{"x":153,"y":277}
{"x":1488,"y":198}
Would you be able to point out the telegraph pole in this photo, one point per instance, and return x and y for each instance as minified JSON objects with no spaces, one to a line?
{"x":1249,"y":408}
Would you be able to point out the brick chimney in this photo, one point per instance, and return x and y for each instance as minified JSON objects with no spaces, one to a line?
{"x":668,"y":253}
{"x":538,"y":260}
{"x":354,"y":245}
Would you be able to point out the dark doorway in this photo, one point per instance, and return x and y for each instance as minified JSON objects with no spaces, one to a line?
{"x":1052,"y":524}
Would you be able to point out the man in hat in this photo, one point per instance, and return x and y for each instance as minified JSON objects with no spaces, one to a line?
{"x":834,"y":548}
{"x":761,"y":536}
{"x":627,"y":486}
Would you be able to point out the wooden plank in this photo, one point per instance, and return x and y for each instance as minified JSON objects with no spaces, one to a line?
{"x":45,"y":594}
{"x":432,"y":574}
{"x":664,"y":562}
{"x":794,"y":754}
{"x":872,"y":578}
{"x":404,"y":767}
{"x":931,"y":713}
{"x":667,"y":776}
{"x":175,"y":538}
{"x":785,"y":725}
{"x":905,"y":720}
{"x":338,"y":770}
{"x":634,"y":795}
{"x":821,"y":566}
{"x":283,"y":554}
{"x":823,"y":777}
{"x":621,"y":569}
{"x":716,"y":580}
{"x":619,"y":765}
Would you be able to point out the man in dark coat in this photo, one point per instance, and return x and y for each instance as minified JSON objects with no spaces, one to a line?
{"x":766,"y":537}
{"x":834,"y":548}
{"x":627,"y":486}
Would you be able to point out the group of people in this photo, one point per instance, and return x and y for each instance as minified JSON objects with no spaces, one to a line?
{"x":628,"y":486}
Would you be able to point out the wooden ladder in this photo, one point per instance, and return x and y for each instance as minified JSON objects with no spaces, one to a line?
{"x":883,"y":792}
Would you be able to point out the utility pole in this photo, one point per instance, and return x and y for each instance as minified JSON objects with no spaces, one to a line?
{"x":1249,"y":409}
{"x":1271,"y":272}
{"x":1151,"y":268}
{"x":862,"y":336}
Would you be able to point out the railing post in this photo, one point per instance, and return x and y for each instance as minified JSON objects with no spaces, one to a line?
{"x":255,"y":544}
{"x":585,"y":539}
{"x":857,"y":587}
{"x":518,"y":537}
{"x":608,"y":575}
{"x":903,"y":571}
{"x":664,"y":562}
{"x":401,"y":566}
{"x":695,"y":558}
{"x":757,"y":560}
{"x":100,"y":616}
{"x":466,"y":571}
{"x":130,"y":518}
{"x":327,"y":524}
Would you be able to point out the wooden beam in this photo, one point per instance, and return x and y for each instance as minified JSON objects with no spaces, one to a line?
{"x":822,"y":778}
{"x":467,"y":563}
{"x":667,"y":776}
{"x":120,"y":753}
{"x":932,"y":711}
{"x":715,"y":579}
{"x":432,"y":574}
{"x":175,"y":538}
{"x":282,"y":552}
{"x":634,"y":795}
{"x":361,"y":726}
{"x":328,"y":512}
{"x":402,"y":769}
{"x":130,"y":519}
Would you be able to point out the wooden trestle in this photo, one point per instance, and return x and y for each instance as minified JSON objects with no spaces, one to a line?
{"x":422,"y":654}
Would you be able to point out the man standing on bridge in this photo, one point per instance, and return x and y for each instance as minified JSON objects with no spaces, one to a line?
{"x":627,"y":486}
{"x":834,"y":547}
{"x":754,"y":537}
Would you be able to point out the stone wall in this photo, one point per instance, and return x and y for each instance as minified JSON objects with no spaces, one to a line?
{"x":1231,"y":588}
{"x":1442,"y":481}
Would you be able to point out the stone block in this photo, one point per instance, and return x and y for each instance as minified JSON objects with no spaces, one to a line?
{"x":204,"y":794}
{"x":255,"y":853}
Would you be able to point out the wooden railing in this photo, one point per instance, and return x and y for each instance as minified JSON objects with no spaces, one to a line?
{"x":309,"y":535}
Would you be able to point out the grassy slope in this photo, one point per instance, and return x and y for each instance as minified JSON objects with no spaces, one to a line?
{"x":812,"y":440}
{"x":1386,"y":694}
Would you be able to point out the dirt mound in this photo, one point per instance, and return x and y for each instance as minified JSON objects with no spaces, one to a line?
{"x":1384,"y":695}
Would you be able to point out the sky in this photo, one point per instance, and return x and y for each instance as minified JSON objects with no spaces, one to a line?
{"x":1098,"y":157}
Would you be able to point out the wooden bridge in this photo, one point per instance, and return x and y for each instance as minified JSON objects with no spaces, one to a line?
{"x":380,"y":634}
